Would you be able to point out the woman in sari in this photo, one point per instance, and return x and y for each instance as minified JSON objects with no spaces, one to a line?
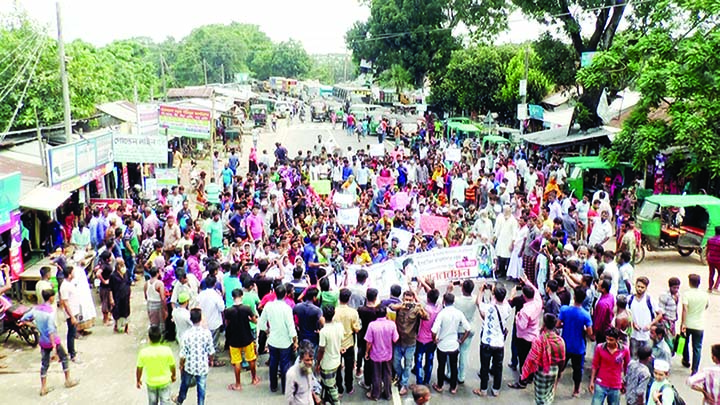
{"x":551,"y":186}
{"x":120,"y":296}
{"x":87,"y":305}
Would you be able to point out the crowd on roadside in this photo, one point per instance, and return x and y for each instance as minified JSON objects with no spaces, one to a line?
{"x":264,"y":262}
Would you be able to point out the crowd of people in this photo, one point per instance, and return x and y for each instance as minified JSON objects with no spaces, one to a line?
{"x":263,"y":267}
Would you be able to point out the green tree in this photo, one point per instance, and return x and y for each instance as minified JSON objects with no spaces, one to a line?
{"x":674,"y":64}
{"x":538,"y":85}
{"x":556,"y":60}
{"x":415,"y":35}
{"x":396,"y":77}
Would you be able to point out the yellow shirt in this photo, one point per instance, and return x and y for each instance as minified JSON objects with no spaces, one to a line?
{"x":696,"y":301}
{"x":350,"y":321}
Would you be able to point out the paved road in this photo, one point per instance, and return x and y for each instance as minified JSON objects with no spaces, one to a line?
{"x":108,"y":360}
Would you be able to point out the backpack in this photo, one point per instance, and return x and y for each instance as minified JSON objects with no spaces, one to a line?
{"x":678,"y":399}
{"x":648,"y":301}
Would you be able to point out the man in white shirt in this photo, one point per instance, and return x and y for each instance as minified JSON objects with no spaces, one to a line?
{"x":611,"y":270}
{"x":457,"y":189}
{"x":70,"y":302}
{"x":496,"y":318}
{"x":328,"y":355}
{"x":449,"y":324}
{"x":212,"y":306}
{"x":643,"y":316}
{"x":602,"y":230}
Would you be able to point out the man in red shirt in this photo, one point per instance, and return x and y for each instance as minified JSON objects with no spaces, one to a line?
{"x":713,"y":259}
{"x":609,"y":364}
{"x":604,"y":311}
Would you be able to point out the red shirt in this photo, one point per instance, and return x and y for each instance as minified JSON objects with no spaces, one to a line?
{"x":610,"y":366}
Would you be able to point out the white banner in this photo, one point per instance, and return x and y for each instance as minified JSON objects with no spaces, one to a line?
{"x":140,"y":149}
{"x":343,"y":200}
{"x":453,"y":154}
{"x":348,"y":216}
{"x":377,"y":149}
{"x":404,"y":237}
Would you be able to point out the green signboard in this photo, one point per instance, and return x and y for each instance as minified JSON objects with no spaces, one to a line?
{"x":9,"y":195}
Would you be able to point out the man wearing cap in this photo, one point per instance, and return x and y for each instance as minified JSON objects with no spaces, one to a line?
{"x":661,"y":390}
{"x":181,"y":317}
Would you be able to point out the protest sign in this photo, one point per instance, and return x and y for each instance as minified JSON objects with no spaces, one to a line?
{"x":445,"y":264}
{"x":399,"y":200}
{"x":348,"y":216}
{"x":321,"y":187}
{"x":343,"y":200}
{"x":377,"y":150}
{"x":403,"y":237}
{"x":453,"y":154}
{"x":431,"y":223}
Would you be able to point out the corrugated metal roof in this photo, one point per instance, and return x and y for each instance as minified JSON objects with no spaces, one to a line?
{"x":122,"y":110}
{"x":190,"y":92}
{"x":559,"y":136}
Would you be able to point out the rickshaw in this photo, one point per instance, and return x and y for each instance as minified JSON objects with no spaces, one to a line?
{"x":682,"y":222}
{"x":593,"y":169}
{"x":319,"y":111}
{"x":258,"y":112}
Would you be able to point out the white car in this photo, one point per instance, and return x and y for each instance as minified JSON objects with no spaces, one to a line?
{"x":282,"y":109}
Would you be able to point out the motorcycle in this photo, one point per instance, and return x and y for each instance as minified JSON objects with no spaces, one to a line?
{"x":10,"y":323}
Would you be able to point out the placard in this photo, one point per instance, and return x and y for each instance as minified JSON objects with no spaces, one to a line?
{"x":453,"y":155}
{"x":404,"y":237}
{"x":348,"y":216}
{"x":377,"y":150}
{"x":321,"y":187}
{"x":431,"y":223}
{"x":343,"y":200}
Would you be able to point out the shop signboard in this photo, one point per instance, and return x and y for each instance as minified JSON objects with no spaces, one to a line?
{"x":185,"y":122}
{"x":80,"y":162}
{"x":9,"y":195}
{"x":145,"y":148}
{"x":15,"y":260}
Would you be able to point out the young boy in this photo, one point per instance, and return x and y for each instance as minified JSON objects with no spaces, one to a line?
{"x":240,"y":338}
{"x":159,"y":362}
{"x":44,"y":317}
{"x":661,"y":392}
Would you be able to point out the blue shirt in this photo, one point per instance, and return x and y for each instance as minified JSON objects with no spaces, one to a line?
{"x":574,"y":322}
{"x":233,"y":162}
{"x":44,"y":318}
{"x":227,"y":176}
{"x":346,"y":172}
{"x":309,"y":254}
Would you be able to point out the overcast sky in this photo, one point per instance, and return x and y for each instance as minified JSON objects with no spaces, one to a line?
{"x":319,"y":24}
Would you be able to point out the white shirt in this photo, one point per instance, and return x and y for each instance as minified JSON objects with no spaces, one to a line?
{"x":492,"y":334}
{"x":612,"y":269}
{"x":457,"y":189}
{"x":601,"y":231}
{"x":641,"y":316}
{"x":505,"y":231}
{"x":69,"y":293}
{"x":212,"y":306}
{"x":449,"y":322}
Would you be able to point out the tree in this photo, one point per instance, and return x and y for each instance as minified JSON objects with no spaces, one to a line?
{"x":487,"y":78}
{"x":289,"y":59}
{"x":397,"y":77}
{"x":556,"y":60}
{"x":607,"y":17}
{"x":415,"y":36}
{"x":673,"y":64}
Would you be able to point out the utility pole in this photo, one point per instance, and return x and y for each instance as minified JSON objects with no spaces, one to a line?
{"x":205,"y":70}
{"x":523,"y":89}
{"x":63,"y":77}
{"x":162,"y":75}
{"x":222,"y":72}
{"x":41,"y":145}
{"x":212,"y":124}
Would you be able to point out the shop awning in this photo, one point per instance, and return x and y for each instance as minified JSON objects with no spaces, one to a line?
{"x":43,"y":199}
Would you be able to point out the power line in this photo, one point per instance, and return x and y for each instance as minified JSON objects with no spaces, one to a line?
{"x":20,"y":73}
{"x":22,"y":47}
{"x":400,"y":34}
{"x":22,"y":96}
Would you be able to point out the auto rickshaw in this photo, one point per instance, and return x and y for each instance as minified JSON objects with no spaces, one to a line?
{"x":682,"y":222}
{"x":259,"y":114}
{"x":586,"y":174}
{"x":319,"y":111}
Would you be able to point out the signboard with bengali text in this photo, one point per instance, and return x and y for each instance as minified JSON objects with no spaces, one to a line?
{"x":185,"y":122}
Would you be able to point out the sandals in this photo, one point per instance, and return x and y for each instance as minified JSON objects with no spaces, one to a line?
{"x":516,"y":386}
{"x":437,"y":388}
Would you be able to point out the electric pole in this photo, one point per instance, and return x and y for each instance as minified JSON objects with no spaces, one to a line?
{"x":162,"y":75}
{"x":523,"y":90}
{"x":205,"y":70}
{"x":63,"y":77}
{"x":222,"y":73}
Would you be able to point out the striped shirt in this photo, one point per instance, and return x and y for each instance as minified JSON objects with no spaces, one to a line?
{"x":709,"y":380}
{"x":546,"y":351}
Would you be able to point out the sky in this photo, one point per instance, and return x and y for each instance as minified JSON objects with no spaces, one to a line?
{"x":319,"y":24}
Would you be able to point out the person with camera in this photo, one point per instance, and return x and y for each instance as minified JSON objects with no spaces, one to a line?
{"x":408,"y":314}
{"x":496,"y":316}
